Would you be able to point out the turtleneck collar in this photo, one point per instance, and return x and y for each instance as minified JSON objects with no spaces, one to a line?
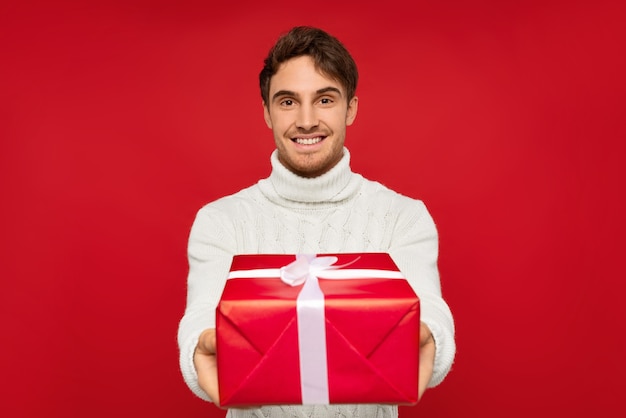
{"x":284,"y":187}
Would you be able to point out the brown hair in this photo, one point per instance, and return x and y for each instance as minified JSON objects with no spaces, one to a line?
{"x":330,"y":56}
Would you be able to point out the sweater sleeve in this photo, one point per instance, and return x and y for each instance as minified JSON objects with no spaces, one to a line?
{"x":210,"y":251}
{"x":415,"y":249}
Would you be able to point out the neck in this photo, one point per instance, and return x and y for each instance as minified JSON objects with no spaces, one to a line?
{"x":339,"y":183}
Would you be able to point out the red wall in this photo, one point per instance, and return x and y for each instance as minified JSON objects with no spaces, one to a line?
{"x":119,"y":120}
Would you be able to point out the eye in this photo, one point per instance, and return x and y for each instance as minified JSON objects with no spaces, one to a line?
{"x":287,"y":102}
{"x":326,"y":100}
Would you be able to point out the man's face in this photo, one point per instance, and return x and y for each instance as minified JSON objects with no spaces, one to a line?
{"x":308,"y":114}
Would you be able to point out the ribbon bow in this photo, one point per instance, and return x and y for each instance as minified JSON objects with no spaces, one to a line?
{"x":306,"y":266}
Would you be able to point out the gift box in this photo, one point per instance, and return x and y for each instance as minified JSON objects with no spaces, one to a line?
{"x":317,"y":329}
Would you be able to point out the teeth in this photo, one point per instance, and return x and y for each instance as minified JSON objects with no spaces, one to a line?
{"x":308,"y":141}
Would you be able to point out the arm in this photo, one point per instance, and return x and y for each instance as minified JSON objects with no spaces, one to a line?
{"x":414,"y":248}
{"x":210,"y":253}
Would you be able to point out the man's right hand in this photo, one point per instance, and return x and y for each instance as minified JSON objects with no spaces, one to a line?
{"x":205,"y":361}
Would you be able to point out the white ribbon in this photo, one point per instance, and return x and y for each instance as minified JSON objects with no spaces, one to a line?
{"x":307,"y":268}
{"x":311,"y":325}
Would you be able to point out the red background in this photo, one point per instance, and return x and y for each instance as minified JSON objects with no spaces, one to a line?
{"x":119,"y":120}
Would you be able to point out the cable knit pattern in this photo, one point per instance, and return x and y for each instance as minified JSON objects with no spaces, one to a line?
{"x":339,"y":211}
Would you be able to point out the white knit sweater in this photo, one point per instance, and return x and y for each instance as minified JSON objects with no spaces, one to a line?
{"x":337,"y":212}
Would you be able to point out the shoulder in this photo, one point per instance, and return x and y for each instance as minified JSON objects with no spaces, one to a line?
{"x":405,"y":213}
{"x":227,"y":204}
{"x":227,"y":208}
{"x":375,"y":191}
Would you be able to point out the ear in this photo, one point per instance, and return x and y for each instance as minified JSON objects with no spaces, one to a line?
{"x":266,"y":116}
{"x":353,"y":106}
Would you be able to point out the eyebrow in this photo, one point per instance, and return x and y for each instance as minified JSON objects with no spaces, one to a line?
{"x":328,"y":89}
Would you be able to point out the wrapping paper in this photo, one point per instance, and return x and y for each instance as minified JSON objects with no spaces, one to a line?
{"x":317,"y":329}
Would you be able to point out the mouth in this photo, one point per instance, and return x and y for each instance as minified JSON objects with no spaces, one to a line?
{"x":308,"y":140}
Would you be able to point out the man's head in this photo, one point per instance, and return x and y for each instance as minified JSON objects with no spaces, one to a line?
{"x":308,"y":86}
{"x":331,"y":58}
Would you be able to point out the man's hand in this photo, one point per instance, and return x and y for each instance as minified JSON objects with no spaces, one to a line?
{"x":205,"y":361}
{"x":427,"y":358}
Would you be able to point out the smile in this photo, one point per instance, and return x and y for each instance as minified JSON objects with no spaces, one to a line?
{"x":308,"y":141}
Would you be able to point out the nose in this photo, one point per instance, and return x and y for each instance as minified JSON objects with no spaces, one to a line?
{"x":307,"y":117}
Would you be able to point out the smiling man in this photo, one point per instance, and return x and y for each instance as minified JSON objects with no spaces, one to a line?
{"x":311,"y":203}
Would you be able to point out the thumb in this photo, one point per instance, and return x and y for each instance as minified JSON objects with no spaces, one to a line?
{"x":206,"y":342}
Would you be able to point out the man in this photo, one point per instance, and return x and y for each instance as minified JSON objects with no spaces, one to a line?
{"x":311,"y":203}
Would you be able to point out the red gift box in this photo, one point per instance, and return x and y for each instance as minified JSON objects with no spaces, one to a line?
{"x":356,"y":341}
